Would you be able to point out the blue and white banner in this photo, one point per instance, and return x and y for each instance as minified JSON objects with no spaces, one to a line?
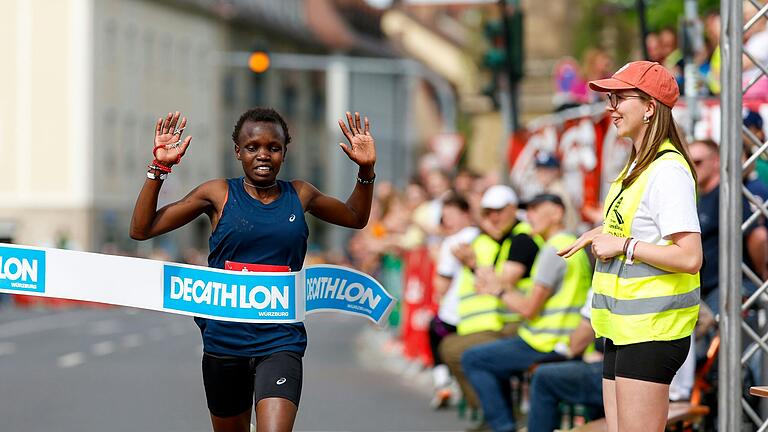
{"x":257,"y":297}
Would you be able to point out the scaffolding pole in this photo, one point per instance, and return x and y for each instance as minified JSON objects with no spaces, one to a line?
{"x":729,"y":369}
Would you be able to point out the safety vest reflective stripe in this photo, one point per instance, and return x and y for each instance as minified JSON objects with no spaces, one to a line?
{"x":554,"y":311}
{"x":618,"y":267}
{"x":555,"y":332}
{"x":500,"y":311}
{"x":560,"y":314}
{"x":646,"y":305}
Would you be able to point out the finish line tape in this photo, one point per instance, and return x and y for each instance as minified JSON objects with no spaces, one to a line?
{"x":182,"y":289}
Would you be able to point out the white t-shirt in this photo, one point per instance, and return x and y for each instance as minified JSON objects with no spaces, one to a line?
{"x":668,"y":205}
{"x":450,"y":267}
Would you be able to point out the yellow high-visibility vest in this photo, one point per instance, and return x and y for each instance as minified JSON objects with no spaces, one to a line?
{"x":561,"y":312}
{"x":483,"y":312}
{"x":639,"y":302}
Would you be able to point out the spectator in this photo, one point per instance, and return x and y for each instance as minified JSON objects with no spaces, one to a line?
{"x":754,"y":124}
{"x":574,"y":382}
{"x":706,"y":160}
{"x":671,"y":56}
{"x":549,"y":177}
{"x":551,"y":311}
{"x":457,"y":223}
{"x":504,"y":243}
{"x":653,"y":47}
{"x":596,"y":64}
{"x":710,"y":68}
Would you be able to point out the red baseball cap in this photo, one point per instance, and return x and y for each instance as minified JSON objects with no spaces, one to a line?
{"x":649,"y":77}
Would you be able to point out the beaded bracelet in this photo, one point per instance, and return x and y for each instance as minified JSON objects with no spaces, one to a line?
{"x":366,"y":182}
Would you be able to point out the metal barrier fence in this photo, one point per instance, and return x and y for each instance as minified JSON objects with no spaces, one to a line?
{"x":735,"y":355}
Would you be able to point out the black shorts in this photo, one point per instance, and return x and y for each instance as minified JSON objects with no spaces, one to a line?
{"x":232,"y":384}
{"x":655,"y":361}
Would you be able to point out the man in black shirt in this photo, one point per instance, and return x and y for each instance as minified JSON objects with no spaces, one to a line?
{"x":503,"y":243}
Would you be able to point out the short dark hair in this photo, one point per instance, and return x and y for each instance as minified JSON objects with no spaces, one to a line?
{"x":261,"y":114}
{"x":456,"y":200}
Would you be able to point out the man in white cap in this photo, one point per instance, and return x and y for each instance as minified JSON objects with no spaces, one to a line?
{"x":504,"y":244}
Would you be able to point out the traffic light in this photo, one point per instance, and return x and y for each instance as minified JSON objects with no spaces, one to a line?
{"x":505,"y":40}
{"x":258,"y":61}
{"x":496,"y":57}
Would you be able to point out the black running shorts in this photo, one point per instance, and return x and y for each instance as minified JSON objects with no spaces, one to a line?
{"x":655,"y":361}
{"x":232,"y":384}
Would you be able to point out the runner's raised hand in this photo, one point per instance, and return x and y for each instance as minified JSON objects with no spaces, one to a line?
{"x":169,"y":148}
{"x":362,"y":147}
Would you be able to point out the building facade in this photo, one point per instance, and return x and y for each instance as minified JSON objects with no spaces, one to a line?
{"x":90,"y":78}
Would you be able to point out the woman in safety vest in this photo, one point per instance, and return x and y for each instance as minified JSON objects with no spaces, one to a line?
{"x":646,"y":282}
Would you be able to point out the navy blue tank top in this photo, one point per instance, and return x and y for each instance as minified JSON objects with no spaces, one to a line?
{"x":256,"y":233}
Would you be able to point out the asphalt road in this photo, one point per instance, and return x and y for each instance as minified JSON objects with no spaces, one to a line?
{"x":128,"y":370}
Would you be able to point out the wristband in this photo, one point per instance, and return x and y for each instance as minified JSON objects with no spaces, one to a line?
{"x":626,"y":245}
{"x":366,"y":182}
{"x":631,"y":251}
{"x":159,"y":166}
{"x":153,"y":176}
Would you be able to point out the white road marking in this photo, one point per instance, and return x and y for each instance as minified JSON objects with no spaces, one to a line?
{"x":105,"y":327}
{"x":103,"y":348}
{"x":7,"y":348}
{"x":132,"y":340}
{"x":71,"y":360}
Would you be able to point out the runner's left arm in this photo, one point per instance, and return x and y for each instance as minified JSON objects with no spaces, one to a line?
{"x":355,"y":211}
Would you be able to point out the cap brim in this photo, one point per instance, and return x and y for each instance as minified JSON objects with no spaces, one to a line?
{"x":609,"y":84}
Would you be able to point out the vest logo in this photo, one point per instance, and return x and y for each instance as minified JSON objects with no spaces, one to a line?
{"x":22,"y":269}
{"x":614,"y":221}
{"x":292,"y":218}
{"x":231,"y":295}
{"x":618,"y":217}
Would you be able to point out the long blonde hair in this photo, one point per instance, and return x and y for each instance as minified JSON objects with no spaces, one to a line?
{"x":661,"y":128}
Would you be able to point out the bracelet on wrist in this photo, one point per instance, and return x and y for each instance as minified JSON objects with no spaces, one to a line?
{"x":626,"y":245}
{"x":156,"y":174}
{"x":368,"y":181}
{"x":160,"y":166}
{"x":630,"y":256}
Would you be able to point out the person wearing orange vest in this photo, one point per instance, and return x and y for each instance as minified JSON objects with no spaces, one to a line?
{"x":648,"y":251}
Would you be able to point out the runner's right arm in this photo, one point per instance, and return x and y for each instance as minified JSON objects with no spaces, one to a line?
{"x":208,"y":198}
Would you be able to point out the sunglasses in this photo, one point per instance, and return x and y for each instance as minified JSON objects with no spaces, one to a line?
{"x":615,"y":99}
